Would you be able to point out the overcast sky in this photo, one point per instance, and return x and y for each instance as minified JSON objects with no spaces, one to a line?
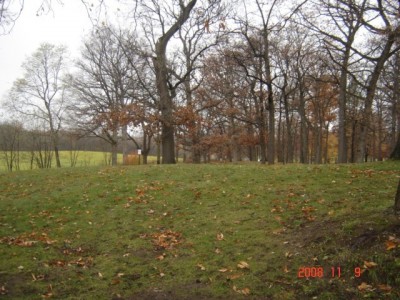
{"x":66,"y":24}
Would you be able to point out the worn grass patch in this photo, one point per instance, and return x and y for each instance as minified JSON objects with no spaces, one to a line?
{"x":200,"y":232}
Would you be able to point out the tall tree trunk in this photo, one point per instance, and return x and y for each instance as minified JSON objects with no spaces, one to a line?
{"x":304,"y":158}
{"x":371,"y":88}
{"x":397,"y":199}
{"x":166,"y":106}
{"x":396,"y":151}
{"x":114,"y":148}
{"x":164,"y":92}
{"x":342,"y":145}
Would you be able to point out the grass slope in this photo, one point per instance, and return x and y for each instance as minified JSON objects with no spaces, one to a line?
{"x":200,"y":232}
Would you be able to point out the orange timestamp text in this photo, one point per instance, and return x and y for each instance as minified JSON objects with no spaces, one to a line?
{"x":320,"y":272}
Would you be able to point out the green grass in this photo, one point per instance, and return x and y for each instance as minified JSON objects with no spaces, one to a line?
{"x":184,"y":231}
{"x":83,"y":159}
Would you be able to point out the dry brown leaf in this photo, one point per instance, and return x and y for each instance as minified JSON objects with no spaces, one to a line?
{"x":286,"y":270}
{"x":384,"y":287}
{"x":234,"y":276}
{"x":220,"y":236}
{"x":369,"y":264}
{"x":245,"y":291}
{"x":201,"y":267}
{"x":288,"y":255}
{"x":3,"y":290}
{"x":365,"y":287}
{"x":243,"y":265}
{"x":390,"y":245}
{"x":223,"y":270}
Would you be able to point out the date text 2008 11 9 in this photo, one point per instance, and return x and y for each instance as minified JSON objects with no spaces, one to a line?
{"x":320,"y":272}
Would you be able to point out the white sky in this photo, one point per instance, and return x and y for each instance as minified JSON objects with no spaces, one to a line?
{"x":66,"y":24}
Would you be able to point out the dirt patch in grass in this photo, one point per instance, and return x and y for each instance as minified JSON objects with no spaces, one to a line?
{"x":14,"y":285}
{"x":179,"y":292}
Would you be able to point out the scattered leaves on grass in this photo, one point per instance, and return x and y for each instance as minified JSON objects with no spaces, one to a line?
{"x":27,"y":239}
{"x":166,"y":239}
{"x":307,"y":211}
{"x":80,"y":262}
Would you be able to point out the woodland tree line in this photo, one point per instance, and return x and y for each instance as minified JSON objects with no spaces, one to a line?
{"x":312,"y":81}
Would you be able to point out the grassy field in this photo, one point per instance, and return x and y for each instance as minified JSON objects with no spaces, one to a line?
{"x":200,"y":232}
{"x":82,"y":159}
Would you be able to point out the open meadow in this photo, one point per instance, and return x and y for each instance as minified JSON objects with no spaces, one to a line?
{"x":215,"y":231}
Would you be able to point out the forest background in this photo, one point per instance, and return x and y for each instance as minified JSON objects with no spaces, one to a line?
{"x":274,"y":81}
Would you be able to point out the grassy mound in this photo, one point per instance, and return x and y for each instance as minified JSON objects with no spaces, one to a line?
{"x":200,"y":232}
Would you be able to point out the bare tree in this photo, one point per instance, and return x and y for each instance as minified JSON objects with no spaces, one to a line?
{"x":381,"y":20}
{"x":160,"y":22}
{"x":10,"y":11}
{"x":10,"y":140}
{"x":345,"y":19}
{"x":102,"y":88}
{"x":40,"y":94}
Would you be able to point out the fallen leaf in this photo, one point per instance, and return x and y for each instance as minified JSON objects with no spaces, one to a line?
{"x":100,"y":275}
{"x":218,"y":251}
{"x":286,"y":270}
{"x":201,"y":267}
{"x":365,"y":287}
{"x":220,"y":236}
{"x":223,"y":270}
{"x":243,"y":265}
{"x":245,"y":291}
{"x":369,"y":264}
{"x":384,"y":287}
{"x":390,"y":245}
{"x":234,"y":276}
{"x":3,"y":290}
